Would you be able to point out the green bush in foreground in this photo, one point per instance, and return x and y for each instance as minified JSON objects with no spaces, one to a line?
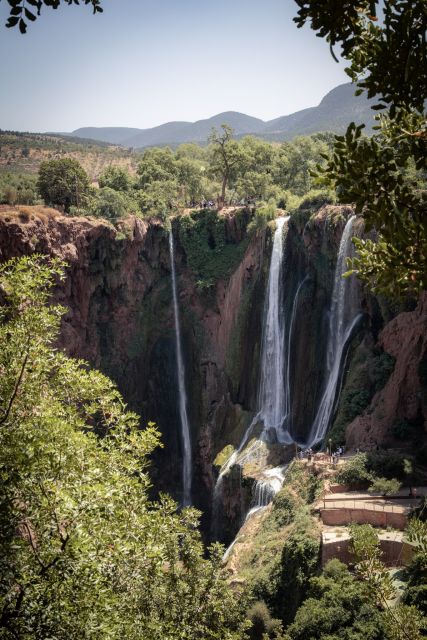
{"x":83,"y":552}
{"x":337,"y":608}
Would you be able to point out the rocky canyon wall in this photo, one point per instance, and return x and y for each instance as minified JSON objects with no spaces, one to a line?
{"x":120,"y":318}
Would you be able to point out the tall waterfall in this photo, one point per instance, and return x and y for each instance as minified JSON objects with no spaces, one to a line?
{"x":183,"y":415}
{"x":343,"y":317}
{"x":273,"y":399}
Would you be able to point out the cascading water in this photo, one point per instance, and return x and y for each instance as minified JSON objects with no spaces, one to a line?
{"x":183,"y":415}
{"x":266,"y":488}
{"x":288,"y":364}
{"x":343,"y":317}
{"x":273,"y":397}
{"x":273,"y":401}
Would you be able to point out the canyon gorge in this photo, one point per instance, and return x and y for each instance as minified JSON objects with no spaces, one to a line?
{"x":240,"y":341}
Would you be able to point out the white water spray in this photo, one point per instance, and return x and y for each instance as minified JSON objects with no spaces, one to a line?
{"x":273,"y":401}
{"x":343,"y":318}
{"x":266,"y":488}
{"x":185,"y":426}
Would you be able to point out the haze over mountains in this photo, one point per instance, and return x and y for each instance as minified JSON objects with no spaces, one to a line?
{"x":336,"y":110}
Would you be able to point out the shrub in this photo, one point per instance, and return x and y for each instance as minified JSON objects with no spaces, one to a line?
{"x":115,"y":178}
{"x":354,"y":471}
{"x":262,"y":216}
{"x":337,"y":608}
{"x":384,"y":486}
{"x":386,"y":463}
{"x":285,"y":505}
{"x":111,"y":205}
{"x":262,"y":622}
{"x":379,"y":369}
{"x":299,"y":562}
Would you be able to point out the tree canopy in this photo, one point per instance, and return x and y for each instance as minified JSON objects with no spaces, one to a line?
{"x":384,"y":176}
{"x":22,"y":12}
{"x":83,"y":551}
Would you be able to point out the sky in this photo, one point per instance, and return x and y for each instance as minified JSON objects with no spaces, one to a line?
{"x":145,"y":62}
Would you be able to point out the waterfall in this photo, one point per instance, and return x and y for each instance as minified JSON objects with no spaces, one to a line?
{"x":273,"y":401}
{"x":343,"y":318}
{"x":266,"y":488}
{"x":185,"y":426}
{"x":288,"y":364}
{"x":273,"y":392}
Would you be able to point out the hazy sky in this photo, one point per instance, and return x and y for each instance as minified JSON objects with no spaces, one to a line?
{"x":145,"y":62}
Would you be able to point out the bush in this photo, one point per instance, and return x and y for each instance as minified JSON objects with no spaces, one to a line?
{"x":337,"y":608}
{"x":111,"y":205}
{"x":262,"y":622}
{"x":285,"y":505}
{"x":299,"y":562}
{"x":384,"y":486}
{"x":354,"y":471}
{"x":386,"y":463}
{"x":115,"y":178}
{"x":262,"y":216}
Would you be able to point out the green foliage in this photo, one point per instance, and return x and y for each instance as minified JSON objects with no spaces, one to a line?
{"x":211,"y":254}
{"x":401,"y":621}
{"x":384,"y":486}
{"x":381,"y":175}
{"x":21,"y":14}
{"x":337,"y":609}
{"x":224,"y":455}
{"x":368,"y":374}
{"x":387,"y":463}
{"x":63,"y":183}
{"x":354,"y":471}
{"x":116,"y":178}
{"x":83,"y":551}
{"x":111,"y":205}
{"x":262,"y":622}
{"x":299,"y":562}
{"x":18,"y":188}
{"x":282,"y":579}
{"x":263,"y":215}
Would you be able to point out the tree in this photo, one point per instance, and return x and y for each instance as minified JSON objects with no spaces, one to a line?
{"x":111,"y":205}
{"x":21,"y":14}
{"x":337,"y":608}
{"x":401,"y":621}
{"x":84,"y":553}
{"x":382,"y":175}
{"x":63,"y":183}
{"x":156,"y":165}
{"x":225,"y":157}
{"x":116,"y":178}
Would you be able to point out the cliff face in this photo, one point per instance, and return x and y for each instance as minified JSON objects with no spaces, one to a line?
{"x":397,"y":414}
{"x":120,"y":318}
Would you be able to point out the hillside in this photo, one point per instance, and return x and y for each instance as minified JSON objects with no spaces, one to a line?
{"x":336,"y":110}
{"x":23,"y":153}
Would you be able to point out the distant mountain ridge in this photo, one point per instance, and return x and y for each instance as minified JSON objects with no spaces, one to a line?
{"x":336,"y":110}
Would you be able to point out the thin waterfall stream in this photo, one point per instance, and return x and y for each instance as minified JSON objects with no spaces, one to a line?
{"x":344,"y":316}
{"x":183,"y":414}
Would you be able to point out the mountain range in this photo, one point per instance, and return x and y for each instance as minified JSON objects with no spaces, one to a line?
{"x":336,"y":110}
